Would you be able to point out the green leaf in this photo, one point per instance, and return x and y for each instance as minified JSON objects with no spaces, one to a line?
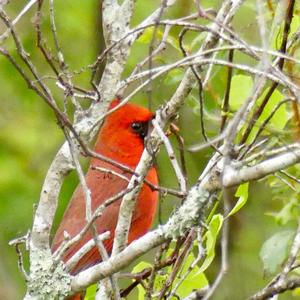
{"x":194,"y":279}
{"x":174,"y":76}
{"x":280,"y":117}
{"x":279,"y":27}
{"x":138,"y":268}
{"x":141,"y":266}
{"x":147,"y":37}
{"x":241,"y":86}
{"x":160,"y":279}
{"x":242,"y":193}
{"x":211,"y":237}
{"x":198,"y":280}
{"x":296,"y":292}
{"x":295,"y":24}
{"x":91,"y":292}
{"x":275,"y":249}
{"x":289,"y":212}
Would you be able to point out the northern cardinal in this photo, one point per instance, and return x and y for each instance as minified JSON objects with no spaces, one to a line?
{"x":121,"y":138}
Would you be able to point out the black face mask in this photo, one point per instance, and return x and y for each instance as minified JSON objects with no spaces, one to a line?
{"x":140,"y":128}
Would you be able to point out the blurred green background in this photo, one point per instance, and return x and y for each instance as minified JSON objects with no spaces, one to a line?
{"x":30,"y":137}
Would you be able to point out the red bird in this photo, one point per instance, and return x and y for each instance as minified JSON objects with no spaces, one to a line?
{"x":121,"y":138}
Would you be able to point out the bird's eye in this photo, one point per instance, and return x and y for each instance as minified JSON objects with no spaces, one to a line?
{"x":136,"y":126}
{"x":140,"y":128}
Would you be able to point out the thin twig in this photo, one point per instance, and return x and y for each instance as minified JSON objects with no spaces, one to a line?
{"x":172,"y":157}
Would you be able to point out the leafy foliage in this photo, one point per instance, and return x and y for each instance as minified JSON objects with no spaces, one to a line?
{"x":274,"y":250}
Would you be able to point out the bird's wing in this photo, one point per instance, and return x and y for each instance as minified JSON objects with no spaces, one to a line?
{"x":102,"y":187}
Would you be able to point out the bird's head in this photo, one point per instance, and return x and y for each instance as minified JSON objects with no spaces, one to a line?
{"x":122,"y":134}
